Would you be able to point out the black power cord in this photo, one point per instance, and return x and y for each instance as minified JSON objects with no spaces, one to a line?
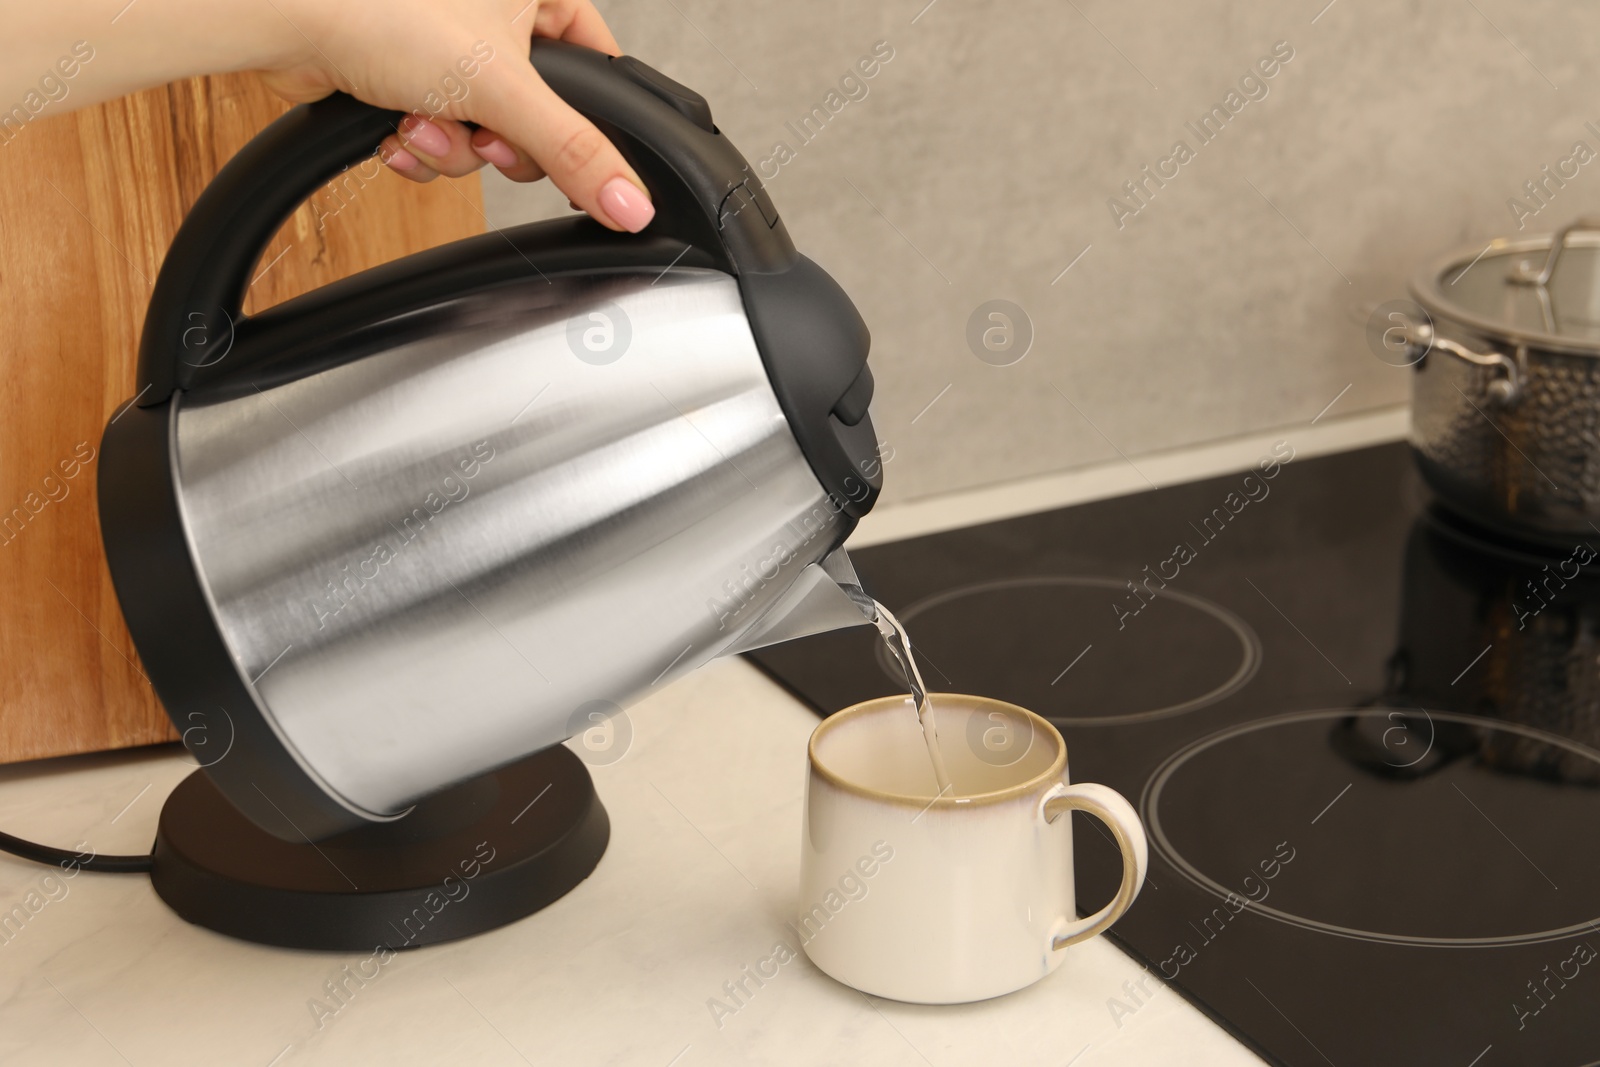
{"x":30,"y":850}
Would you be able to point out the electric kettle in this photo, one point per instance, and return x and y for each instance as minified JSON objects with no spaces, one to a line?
{"x":423,"y":522}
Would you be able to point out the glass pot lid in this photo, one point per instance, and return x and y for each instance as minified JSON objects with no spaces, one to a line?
{"x":1541,"y":291}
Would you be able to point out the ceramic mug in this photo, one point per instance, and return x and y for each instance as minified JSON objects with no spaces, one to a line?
{"x":914,"y":896}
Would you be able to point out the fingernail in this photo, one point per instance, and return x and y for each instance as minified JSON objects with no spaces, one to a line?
{"x":425,"y":137}
{"x":626,"y":203}
{"x":497,"y":152}
{"x":401,"y":160}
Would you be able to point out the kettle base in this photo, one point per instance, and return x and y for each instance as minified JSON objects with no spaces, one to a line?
{"x":474,"y":857}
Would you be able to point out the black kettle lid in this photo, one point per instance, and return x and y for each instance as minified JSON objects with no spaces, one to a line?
{"x":814,"y":345}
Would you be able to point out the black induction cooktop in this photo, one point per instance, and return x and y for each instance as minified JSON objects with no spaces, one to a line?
{"x":1365,"y":741}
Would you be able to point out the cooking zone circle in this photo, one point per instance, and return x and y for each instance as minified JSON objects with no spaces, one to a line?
{"x":1431,"y":824}
{"x":1057,"y":646}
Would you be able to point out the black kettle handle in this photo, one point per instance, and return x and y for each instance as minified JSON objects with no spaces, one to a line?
{"x":705,"y":194}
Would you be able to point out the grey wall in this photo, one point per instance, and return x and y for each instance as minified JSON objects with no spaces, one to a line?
{"x":981,"y":161}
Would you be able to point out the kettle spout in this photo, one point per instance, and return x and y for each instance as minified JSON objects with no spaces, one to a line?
{"x":825,"y":596}
{"x":837,"y":565}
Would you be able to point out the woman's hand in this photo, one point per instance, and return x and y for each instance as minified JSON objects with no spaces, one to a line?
{"x":416,"y":55}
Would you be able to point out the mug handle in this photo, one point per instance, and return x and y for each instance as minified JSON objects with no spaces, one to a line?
{"x":1107,"y":805}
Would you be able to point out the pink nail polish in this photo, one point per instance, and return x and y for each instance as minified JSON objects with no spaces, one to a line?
{"x":626,"y":204}
{"x":497,"y":152}
{"x":401,"y":160}
{"x":425,"y":137}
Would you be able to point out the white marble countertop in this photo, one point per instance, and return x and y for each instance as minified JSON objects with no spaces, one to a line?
{"x":697,"y":881}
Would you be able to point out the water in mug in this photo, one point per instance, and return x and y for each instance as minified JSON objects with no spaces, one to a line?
{"x":899,"y":645}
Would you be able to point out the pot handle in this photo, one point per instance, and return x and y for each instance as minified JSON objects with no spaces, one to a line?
{"x":1107,"y":805}
{"x":1506,"y":387}
{"x":705,"y":195}
{"x":1524,"y":274}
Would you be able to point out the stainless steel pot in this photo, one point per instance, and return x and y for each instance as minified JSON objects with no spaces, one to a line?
{"x":1505,"y":417}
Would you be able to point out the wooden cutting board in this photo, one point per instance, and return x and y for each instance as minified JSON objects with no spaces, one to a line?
{"x":91,"y":200}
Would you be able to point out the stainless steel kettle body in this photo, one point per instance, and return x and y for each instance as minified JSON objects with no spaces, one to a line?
{"x":436,"y":517}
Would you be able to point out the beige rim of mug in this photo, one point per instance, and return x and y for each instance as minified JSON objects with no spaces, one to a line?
{"x":1042,"y":727}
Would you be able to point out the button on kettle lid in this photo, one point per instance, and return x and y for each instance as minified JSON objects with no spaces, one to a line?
{"x":688,"y":103}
